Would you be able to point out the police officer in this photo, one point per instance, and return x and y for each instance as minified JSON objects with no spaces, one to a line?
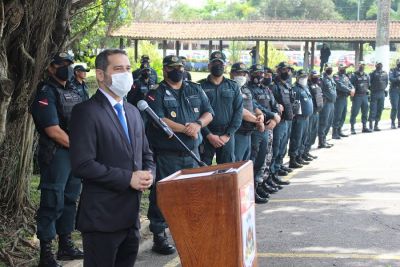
{"x":145,"y":63}
{"x":344,"y":88}
{"x":379,"y":81}
{"x":326,"y":115}
{"x":303,"y":97}
{"x":361,"y":83}
{"x":51,"y":111}
{"x":78,"y":81}
{"x":252,"y":117}
{"x":260,"y":139}
{"x":186,"y":75}
{"x":141,"y":86}
{"x":283,"y":95}
{"x":394,"y":93}
{"x":184,"y":107}
{"x":227,"y":102}
{"x":314,"y":84}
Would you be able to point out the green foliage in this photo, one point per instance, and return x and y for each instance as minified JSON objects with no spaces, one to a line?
{"x":235,"y":49}
{"x":274,"y":56}
{"x":146,"y":48}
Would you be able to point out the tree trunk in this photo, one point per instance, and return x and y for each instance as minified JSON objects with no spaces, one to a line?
{"x":31,"y":32}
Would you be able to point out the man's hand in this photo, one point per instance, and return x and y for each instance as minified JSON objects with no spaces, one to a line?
{"x":277,"y":118}
{"x":270,"y":124}
{"x":352,"y":92}
{"x":225,"y":138}
{"x":192,"y":129}
{"x":141,"y":180}
{"x":214,"y":140}
{"x":260,"y":118}
{"x":260,"y":127}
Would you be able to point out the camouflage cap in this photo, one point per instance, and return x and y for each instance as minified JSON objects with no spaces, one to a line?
{"x":314,"y":73}
{"x":256,"y":68}
{"x":172,"y":60}
{"x":268,"y":70}
{"x":282,"y":65}
{"x":59,"y":58}
{"x":378,"y":62}
{"x":342,"y":66}
{"x":217,"y":55}
{"x":144,"y":58}
{"x":328,"y":66}
{"x":239,"y":67}
{"x":301,"y":73}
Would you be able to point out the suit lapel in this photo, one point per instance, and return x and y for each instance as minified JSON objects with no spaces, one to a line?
{"x":113,"y":116}
{"x":132,"y":126}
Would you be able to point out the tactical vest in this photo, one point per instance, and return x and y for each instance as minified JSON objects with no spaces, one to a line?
{"x":379,"y":81}
{"x":247,"y":98}
{"x":263,"y":98}
{"x":361,"y":83}
{"x":287,"y":102}
{"x":66,"y":100}
{"x":318,"y":100}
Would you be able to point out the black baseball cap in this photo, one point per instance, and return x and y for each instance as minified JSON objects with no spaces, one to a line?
{"x":282,"y":65}
{"x":144,"y":58}
{"x":239,"y":67}
{"x":59,"y":58}
{"x":217,"y":55}
{"x":81,"y":68}
{"x":172,"y":61}
{"x":301,"y":74}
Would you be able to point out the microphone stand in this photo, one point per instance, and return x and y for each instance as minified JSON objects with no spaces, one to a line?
{"x":201,"y":163}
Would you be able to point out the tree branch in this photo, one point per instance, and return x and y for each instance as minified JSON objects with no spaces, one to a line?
{"x":77,"y":4}
{"x":113,"y":17}
{"x":83,"y":31}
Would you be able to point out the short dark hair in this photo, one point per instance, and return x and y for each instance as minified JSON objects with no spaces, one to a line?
{"x":101,"y":62}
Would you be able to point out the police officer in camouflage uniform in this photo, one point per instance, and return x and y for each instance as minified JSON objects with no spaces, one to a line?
{"x":314,"y":84}
{"x":394,"y":93}
{"x":51,"y":112}
{"x":361,"y":83}
{"x":184,"y":107}
{"x":303,"y":97}
{"x":326,"y":115}
{"x":379,"y":81}
{"x":344,"y":88}
{"x":78,"y":81}
{"x":252,"y":117}
{"x":283,"y":95}
{"x":227,"y":102}
{"x":145,"y":63}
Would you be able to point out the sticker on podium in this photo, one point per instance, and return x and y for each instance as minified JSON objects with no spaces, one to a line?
{"x":247,"y":211}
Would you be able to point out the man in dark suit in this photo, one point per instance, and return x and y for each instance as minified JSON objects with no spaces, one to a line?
{"x":109,"y":150}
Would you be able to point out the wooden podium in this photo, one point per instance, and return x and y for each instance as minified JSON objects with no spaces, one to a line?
{"x":211,"y":215}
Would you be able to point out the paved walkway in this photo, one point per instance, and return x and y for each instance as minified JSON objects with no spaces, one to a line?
{"x":342,"y":210}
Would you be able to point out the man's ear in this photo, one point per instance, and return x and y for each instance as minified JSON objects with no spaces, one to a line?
{"x":100,"y":75}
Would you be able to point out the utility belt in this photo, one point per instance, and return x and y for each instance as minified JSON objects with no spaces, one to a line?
{"x":171,"y":153}
{"x":218,"y":129}
{"x":360,"y":93}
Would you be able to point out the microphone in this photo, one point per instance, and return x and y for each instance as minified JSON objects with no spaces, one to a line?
{"x":143,"y":106}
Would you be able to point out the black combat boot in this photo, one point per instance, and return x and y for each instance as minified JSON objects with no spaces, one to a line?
{"x":300,"y":160}
{"x":365,"y":129}
{"x":282,"y":172}
{"x":352,"y":130}
{"x":304,"y":157}
{"x":46,"y":255}
{"x":335,"y":134}
{"x":342,"y":134}
{"x":311,"y":156}
{"x":370,"y":125}
{"x":321,"y":142}
{"x":271,"y":182}
{"x":267,"y":188}
{"x":376,"y":128}
{"x":393,"y":126}
{"x":283,"y":167}
{"x":67,"y":250}
{"x":294,"y":164}
{"x":260,"y":200}
{"x":161,"y":245}
{"x":260,"y":191}
{"x":278,"y":181}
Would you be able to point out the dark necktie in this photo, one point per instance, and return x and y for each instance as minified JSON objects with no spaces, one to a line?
{"x":121,"y":117}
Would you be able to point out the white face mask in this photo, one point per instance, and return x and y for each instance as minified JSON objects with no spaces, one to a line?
{"x":241,"y":80}
{"x":121,"y":83}
{"x":303,"y":82}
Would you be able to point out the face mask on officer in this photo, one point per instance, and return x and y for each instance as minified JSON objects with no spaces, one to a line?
{"x":328,"y":71}
{"x":121,"y":83}
{"x":342,"y":71}
{"x":361,"y":68}
{"x":217,"y":70}
{"x":175,"y":75}
{"x":64,"y":73}
{"x":303,"y":82}
{"x":267,"y":81}
{"x":241,"y":80}
{"x":284,"y":76}
{"x":379,"y":67}
{"x":257,"y":78}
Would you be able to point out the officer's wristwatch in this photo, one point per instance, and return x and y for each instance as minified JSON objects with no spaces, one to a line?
{"x":199,"y":123}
